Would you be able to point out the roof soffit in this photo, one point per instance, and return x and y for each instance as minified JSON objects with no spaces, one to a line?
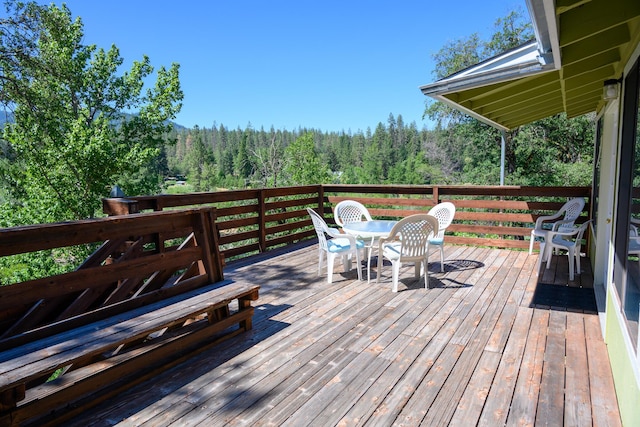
{"x":595,"y":38}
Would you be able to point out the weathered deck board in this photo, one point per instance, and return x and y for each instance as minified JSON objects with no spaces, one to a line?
{"x":551,"y":398}
{"x":471,"y":350}
{"x":525,"y":396}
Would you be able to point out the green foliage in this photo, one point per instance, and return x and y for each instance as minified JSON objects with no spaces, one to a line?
{"x":510,"y":31}
{"x":199,"y":162}
{"x":552,"y":151}
{"x":72,"y":139}
{"x":302,"y":163}
{"x":29,"y":266}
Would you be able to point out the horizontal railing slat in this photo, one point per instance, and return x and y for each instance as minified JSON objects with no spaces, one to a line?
{"x":275,"y":214}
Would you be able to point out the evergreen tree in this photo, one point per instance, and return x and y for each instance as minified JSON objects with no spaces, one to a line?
{"x":302,"y":163}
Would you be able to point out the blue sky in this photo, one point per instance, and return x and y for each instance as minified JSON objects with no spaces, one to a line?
{"x":329,"y":65}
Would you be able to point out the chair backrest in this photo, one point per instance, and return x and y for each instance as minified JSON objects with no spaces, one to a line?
{"x":572,"y":209}
{"x":348,"y":211}
{"x":414,"y":233}
{"x":321,"y":228}
{"x":444,"y":212}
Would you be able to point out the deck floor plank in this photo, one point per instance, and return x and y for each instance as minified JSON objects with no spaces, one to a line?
{"x":454,"y":387}
{"x":525,"y":396}
{"x":551,"y":398}
{"x":604,"y":406}
{"x":577,"y":404}
{"x":470,"y":350}
{"x":498,"y":401}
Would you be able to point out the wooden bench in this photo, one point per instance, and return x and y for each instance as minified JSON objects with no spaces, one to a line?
{"x":22,"y":364}
{"x":151,"y":295}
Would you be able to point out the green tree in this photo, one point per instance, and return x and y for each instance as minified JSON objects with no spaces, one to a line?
{"x":302,"y":163}
{"x":509,"y":32}
{"x":79,"y":126}
{"x":270,"y":160}
{"x":452,"y":57}
{"x":535,"y":153}
{"x":199,"y":162}
{"x":242,"y":164}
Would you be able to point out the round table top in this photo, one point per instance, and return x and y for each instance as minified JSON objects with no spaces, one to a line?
{"x":374,"y":228}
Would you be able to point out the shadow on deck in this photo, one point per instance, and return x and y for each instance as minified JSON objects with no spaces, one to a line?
{"x":485,"y":345}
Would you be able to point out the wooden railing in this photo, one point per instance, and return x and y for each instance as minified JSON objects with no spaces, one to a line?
{"x":144,"y":257}
{"x":258,"y":220}
{"x":140,"y":259}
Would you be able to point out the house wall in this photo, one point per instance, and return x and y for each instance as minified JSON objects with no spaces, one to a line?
{"x":623,"y":355}
{"x":624,"y":364}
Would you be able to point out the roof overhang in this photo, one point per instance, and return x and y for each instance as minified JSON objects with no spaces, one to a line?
{"x":579,"y":45}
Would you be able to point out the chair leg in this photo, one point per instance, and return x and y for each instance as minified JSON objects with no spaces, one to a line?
{"x":441,"y":258}
{"x":320,"y":260}
{"x":358,"y":265}
{"x":330,"y":261}
{"x":346,"y":262}
{"x":540,"y":256}
{"x":533,"y":239}
{"x":369,"y":250}
{"x":395,"y":265}
{"x":571,"y":263}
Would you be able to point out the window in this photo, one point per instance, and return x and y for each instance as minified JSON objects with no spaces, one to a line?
{"x":627,"y":247}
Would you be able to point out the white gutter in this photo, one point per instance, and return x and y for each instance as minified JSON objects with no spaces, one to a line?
{"x":545,"y":26}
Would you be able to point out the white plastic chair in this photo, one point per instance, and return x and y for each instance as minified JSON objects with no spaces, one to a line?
{"x":408,"y":242}
{"x":569,"y":240}
{"x":444,"y":212}
{"x":339,"y":244}
{"x":348,"y":211}
{"x":570,"y":210}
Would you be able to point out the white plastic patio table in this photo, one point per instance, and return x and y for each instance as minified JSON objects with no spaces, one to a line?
{"x":373,"y":230}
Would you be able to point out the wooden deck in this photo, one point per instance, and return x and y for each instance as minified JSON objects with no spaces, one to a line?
{"x":483,"y":346}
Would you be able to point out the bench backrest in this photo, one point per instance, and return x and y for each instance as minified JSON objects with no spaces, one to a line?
{"x":140,"y":259}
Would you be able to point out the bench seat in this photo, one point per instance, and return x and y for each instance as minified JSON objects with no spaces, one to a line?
{"x":102,"y":339}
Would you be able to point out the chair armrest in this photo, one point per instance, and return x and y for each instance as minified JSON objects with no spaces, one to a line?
{"x":334,"y":232}
{"x":383,"y":240}
{"x":551,"y":233}
{"x":573,"y":232}
{"x":558,"y":224}
{"x":545,"y":218}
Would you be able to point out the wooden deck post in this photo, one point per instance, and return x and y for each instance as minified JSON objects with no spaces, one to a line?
{"x":262,"y":225}
{"x":321,"y":200}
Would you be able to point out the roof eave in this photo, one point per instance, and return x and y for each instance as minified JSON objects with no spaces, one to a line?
{"x":442,"y":87}
{"x":471,"y":113}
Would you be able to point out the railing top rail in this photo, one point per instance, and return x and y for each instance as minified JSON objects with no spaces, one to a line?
{"x":161,"y":201}
{"x":37,"y":237}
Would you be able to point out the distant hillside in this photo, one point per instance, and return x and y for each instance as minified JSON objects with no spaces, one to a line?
{"x":7,"y":117}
